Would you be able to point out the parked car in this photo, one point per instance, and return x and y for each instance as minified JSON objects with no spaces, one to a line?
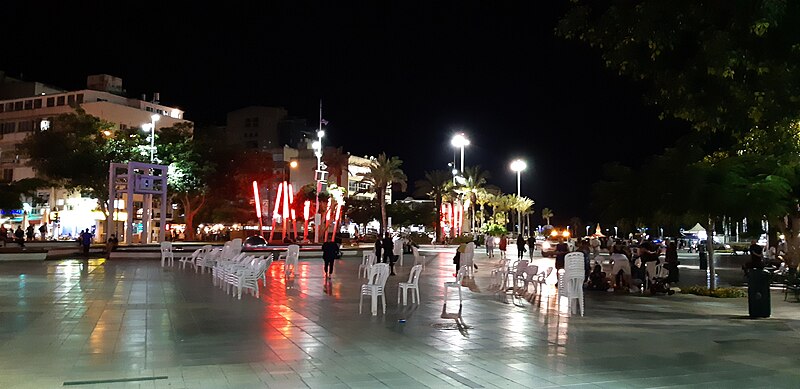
{"x":717,"y":245}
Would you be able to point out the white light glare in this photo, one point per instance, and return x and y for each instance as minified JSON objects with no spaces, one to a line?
{"x":518,"y":165}
{"x":459,"y":140}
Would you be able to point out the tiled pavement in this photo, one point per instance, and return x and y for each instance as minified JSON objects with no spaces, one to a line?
{"x":70,"y":321}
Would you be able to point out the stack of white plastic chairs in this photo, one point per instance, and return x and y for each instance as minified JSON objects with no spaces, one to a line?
{"x":571,"y":285}
{"x":222,"y":268}
{"x":245,"y":275}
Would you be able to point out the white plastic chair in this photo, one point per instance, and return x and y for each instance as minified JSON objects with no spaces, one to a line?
{"x":166,"y":253}
{"x":412,"y":285}
{"x":572,"y":280}
{"x":207,"y":260}
{"x":190,"y":259}
{"x":367,"y":260}
{"x":498,"y":274}
{"x":541,"y":278}
{"x":375,"y":287}
{"x":248,"y":279}
{"x":291,"y":258}
{"x":397,"y":250}
{"x":530,"y":274}
{"x":467,"y":259}
{"x":454,"y":285}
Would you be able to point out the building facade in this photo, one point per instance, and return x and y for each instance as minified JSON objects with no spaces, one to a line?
{"x":28,"y":107}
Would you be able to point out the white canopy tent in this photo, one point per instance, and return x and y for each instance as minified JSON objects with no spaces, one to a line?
{"x":696,"y":230}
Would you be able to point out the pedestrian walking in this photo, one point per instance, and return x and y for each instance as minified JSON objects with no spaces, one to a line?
{"x":29,"y":234}
{"x":502,"y":245}
{"x":531,"y":245}
{"x":489,"y":241}
{"x":329,"y":251}
{"x":388,"y":248}
{"x":520,"y":246}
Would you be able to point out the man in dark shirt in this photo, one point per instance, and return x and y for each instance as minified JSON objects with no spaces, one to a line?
{"x":562,"y":249}
{"x":329,"y":251}
{"x":756,"y":257}
{"x":388,"y":248}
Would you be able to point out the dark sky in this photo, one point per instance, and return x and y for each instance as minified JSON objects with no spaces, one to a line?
{"x":399,"y":78}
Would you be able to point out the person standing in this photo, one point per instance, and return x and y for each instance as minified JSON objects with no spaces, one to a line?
{"x":397,"y":250}
{"x":502,"y":245}
{"x":86,"y":239}
{"x":329,"y":251}
{"x":388,"y":248}
{"x":520,"y":246}
{"x":671,"y":262}
{"x":29,"y":234}
{"x":3,"y":234}
{"x":378,"y":249}
{"x":489,"y":240}
{"x":531,"y":245}
{"x":594,"y":245}
{"x":587,"y":251}
{"x":43,"y":231}
{"x":562,"y":249}
{"x":19,"y":236}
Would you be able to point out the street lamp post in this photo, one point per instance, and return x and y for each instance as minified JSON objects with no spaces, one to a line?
{"x":460,"y":141}
{"x":152,"y":128}
{"x":317,"y":146}
{"x":148,"y":198}
{"x":518,"y":166}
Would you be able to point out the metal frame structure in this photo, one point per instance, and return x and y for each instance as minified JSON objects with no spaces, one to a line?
{"x":137,"y":178}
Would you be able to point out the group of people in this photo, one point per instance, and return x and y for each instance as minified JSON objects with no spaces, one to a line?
{"x":632,"y":268}
{"x":20,"y":236}
{"x":389,"y":249}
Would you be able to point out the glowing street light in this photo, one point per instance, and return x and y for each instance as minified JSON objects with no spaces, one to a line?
{"x":518,"y":166}
{"x":460,"y":141}
{"x":152,"y":128}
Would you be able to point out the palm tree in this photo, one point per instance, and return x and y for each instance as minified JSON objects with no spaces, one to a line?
{"x":337,"y":162}
{"x":474,"y":180}
{"x":522,"y":205}
{"x":501,"y":204}
{"x":437,"y":185}
{"x":547,"y":213}
{"x":383,"y":172}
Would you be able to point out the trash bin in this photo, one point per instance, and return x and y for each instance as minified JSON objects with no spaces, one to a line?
{"x":758,"y":301}
{"x":703,"y":261}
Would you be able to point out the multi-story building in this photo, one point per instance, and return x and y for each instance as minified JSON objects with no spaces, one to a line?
{"x":27,"y":107}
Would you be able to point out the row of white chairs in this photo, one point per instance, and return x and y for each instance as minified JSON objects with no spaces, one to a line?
{"x":243,"y":272}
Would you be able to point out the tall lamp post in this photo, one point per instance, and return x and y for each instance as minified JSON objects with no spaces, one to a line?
{"x":152,"y":128}
{"x":518,"y":166}
{"x":319,"y":176}
{"x":460,"y":141}
{"x":148,"y":199}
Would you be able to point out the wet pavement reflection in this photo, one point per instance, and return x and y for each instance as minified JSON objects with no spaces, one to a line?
{"x":76,"y":320}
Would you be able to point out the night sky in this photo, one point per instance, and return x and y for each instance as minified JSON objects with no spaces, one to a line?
{"x":399,"y":78}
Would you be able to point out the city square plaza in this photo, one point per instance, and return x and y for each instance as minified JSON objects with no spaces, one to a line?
{"x":96,"y":323}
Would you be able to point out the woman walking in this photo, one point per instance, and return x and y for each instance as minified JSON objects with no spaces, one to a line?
{"x":502,"y":246}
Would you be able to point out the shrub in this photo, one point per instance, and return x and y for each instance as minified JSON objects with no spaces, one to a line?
{"x":493,"y":229}
{"x":719,"y":292}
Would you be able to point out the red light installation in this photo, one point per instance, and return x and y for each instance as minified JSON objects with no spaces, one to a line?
{"x":306,"y":212}
{"x":258,"y":207}
{"x":283,"y":202}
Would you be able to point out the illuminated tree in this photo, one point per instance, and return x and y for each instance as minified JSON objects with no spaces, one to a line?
{"x":383,"y":172}
{"x":436,"y":185}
